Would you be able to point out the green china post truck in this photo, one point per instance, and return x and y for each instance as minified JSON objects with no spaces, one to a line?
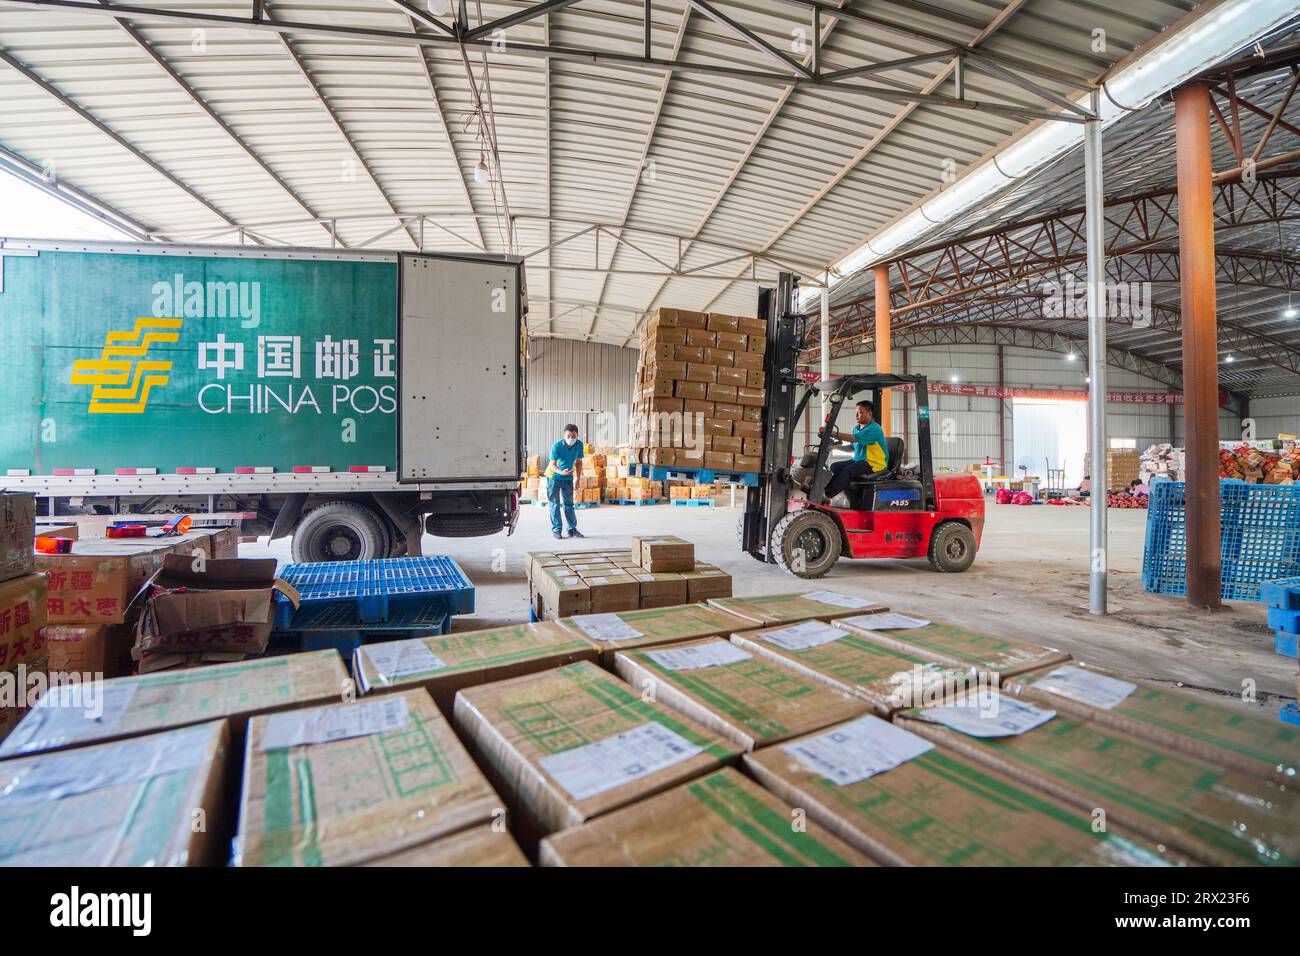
{"x":351,"y":399}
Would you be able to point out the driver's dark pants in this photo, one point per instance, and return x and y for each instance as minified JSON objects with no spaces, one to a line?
{"x":842,"y":473}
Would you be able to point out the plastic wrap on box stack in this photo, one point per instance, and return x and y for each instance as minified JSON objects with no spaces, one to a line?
{"x":1161,"y":461}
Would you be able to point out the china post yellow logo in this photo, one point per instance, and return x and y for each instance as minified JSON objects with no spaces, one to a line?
{"x":123,"y":374}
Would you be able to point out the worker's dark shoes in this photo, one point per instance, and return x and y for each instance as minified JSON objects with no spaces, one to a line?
{"x":575,"y":533}
{"x":557,"y":536}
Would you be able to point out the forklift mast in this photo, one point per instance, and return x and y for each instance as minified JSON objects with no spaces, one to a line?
{"x":765,"y":504}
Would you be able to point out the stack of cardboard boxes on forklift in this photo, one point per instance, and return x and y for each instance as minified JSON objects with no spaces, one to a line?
{"x":657,"y":571}
{"x":699,"y":393}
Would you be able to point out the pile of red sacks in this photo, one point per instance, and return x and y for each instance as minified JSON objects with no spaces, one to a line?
{"x":1122,"y":499}
{"x":1005,"y":496}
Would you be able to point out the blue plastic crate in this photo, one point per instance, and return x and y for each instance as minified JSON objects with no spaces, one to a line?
{"x":692,"y":503}
{"x":1259,"y":538}
{"x":1281,"y":593}
{"x":1290,"y":715}
{"x":1280,"y":619}
{"x":1284,"y":643}
{"x":375,"y":590}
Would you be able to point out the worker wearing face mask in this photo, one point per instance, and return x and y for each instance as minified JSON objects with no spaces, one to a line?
{"x":565,"y":464}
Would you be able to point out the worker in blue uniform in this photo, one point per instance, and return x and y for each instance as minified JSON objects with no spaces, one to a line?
{"x":564,"y":466}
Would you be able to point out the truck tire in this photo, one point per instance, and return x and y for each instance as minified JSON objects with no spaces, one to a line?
{"x":806,"y":543}
{"x":952,"y":547}
{"x":340,"y":531}
{"x":463,"y":526}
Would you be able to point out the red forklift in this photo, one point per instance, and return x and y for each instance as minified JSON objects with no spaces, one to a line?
{"x":898,"y":512}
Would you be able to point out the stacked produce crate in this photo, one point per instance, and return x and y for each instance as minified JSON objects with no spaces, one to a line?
{"x":700,"y":392}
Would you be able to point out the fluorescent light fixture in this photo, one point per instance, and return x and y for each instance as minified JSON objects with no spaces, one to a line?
{"x":954,"y":379}
{"x":1071,"y":357}
{"x":1205,"y":41}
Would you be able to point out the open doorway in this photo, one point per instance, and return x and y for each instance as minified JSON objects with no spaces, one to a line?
{"x":1050,"y":432}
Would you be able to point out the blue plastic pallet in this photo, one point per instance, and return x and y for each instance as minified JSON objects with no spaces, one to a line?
{"x":704,"y":476}
{"x":1280,"y":619}
{"x":1281,"y":593}
{"x":632,"y":501}
{"x":1290,"y":715}
{"x":377,"y":589}
{"x":1259,"y":538}
{"x":1285,"y":643}
{"x":325,"y":626}
{"x":692,"y":502}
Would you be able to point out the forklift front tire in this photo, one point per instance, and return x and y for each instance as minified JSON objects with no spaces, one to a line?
{"x":952,"y":547}
{"x":806,"y":543}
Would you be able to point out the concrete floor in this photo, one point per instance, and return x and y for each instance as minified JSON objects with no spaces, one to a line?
{"x":1030,"y":581}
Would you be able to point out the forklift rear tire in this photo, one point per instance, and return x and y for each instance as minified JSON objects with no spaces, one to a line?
{"x":806,"y":543}
{"x":952,"y":547}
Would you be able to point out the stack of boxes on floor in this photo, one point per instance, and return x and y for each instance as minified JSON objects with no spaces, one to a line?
{"x":699,"y":394}
{"x":1161,"y":461}
{"x":675,"y":736}
{"x":657,"y":571}
{"x":23,"y":651}
{"x":1123,"y":466}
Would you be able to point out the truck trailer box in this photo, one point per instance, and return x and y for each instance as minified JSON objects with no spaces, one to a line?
{"x":720,"y":820}
{"x":1212,"y":814}
{"x":567,"y":745}
{"x":749,"y":699}
{"x":649,"y":627}
{"x":960,"y":647}
{"x":906,"y":802}
{"x":353,"y":782}
{"x":446,"y":663}
{"x":1229,"y":736}
{"x":155,"y":800}
{"x":17,"y":534}
{"x":76,"y":715}
{"x":766,"y":610}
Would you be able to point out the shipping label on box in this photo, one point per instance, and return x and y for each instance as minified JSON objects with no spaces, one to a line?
{"x":17,"y":533}
{"x":22,"y":621}
{"x":445,"y":663}
{"x":347,"y":783}
{"x":566,"y":745}
{"x":766,"y":610}
{"x":886,"y":678}
{"x":1230,"y":736}
{"x":1215,"y":815}
{"x":128,"y":803}
{"x":720,"y":820}
{"x":131,"y":706}
{"x":958,"y":647}
{"x":648,"y":627}
{"x":861,"y":780}
{"x":749,"y":699}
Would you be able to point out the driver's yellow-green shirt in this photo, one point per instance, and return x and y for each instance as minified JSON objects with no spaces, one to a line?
{"x":869,"y":445}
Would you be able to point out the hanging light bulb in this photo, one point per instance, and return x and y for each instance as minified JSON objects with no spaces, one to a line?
{"x":954,"y":378}
{"x":1228,"y":358}
{"x":1291,"y":312}
{"x":481,"y":172}
{"x":1071,"y":357}
{"x":440,"y":8}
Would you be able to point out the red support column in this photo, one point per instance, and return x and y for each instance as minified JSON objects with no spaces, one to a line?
{"x":882,"y":343}
{"x":1200,"y":342}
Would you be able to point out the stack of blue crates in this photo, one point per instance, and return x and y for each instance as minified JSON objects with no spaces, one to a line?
{"x":347,"y":603}
{"x":1283,"y":599}
{"x":1259,"y":538}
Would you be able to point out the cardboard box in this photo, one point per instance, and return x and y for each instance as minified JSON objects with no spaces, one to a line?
{"x":478,"y":846}
{"x":722,"y":393}
{"x":649,"y":627}
{"x":689,"y":353}
{"x":935,"y":808}
{"x":22,"y":620}
{"x":691,"y":390}
{"x":724,"y":359}
{"x":723,"y":323}
{"x":558,"y":592}
{"x":57,"y":529}
{"x":722,"y":461}
{"x":17,"y":533}
{"x":446,"y":663}
{"x":733,"y":341}
{"x":664,"y":553}
{"x":223,"y":605}
{"x":752,"y":361}
{"x":28,"y":682}
{"x":133,"y":706}
{"x":753,"y":397}
{"x":958,"y":647}
{"x":347,"y":783}
{"x":728,"y":410}
{"x":768,"y":610}
{"x":131,"y":803}
{"x":90,"y":648}
{"x":613,"y":591}
{"x":95,"y":583}
{"x":667,"y":588}
{"x":701,"y":373}
{"x":1217,"y":816}
{"x":566,"y":745}
{"x":732,"y":377}
{"x":705,"y":581}
{"x":701,"y":338}
{"x":1230,"y":736}
{"x":720,"y":820}
{"x":751,"y":700}
{"x":886,"y":678}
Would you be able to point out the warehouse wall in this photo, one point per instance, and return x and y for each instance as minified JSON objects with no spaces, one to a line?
{"x":580,"y":382}
{"x":1275,"y":416}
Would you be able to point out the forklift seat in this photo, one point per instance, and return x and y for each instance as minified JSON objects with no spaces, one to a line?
{"x":894,"y":457}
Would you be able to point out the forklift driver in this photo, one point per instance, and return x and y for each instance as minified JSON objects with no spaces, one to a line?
{"x":869,"y":454}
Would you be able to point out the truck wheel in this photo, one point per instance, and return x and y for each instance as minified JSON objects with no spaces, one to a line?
{"x":463,"y":526}
{"x":340,"y":531}
{"x":952,"y":547}
{"x":806,"y":543}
